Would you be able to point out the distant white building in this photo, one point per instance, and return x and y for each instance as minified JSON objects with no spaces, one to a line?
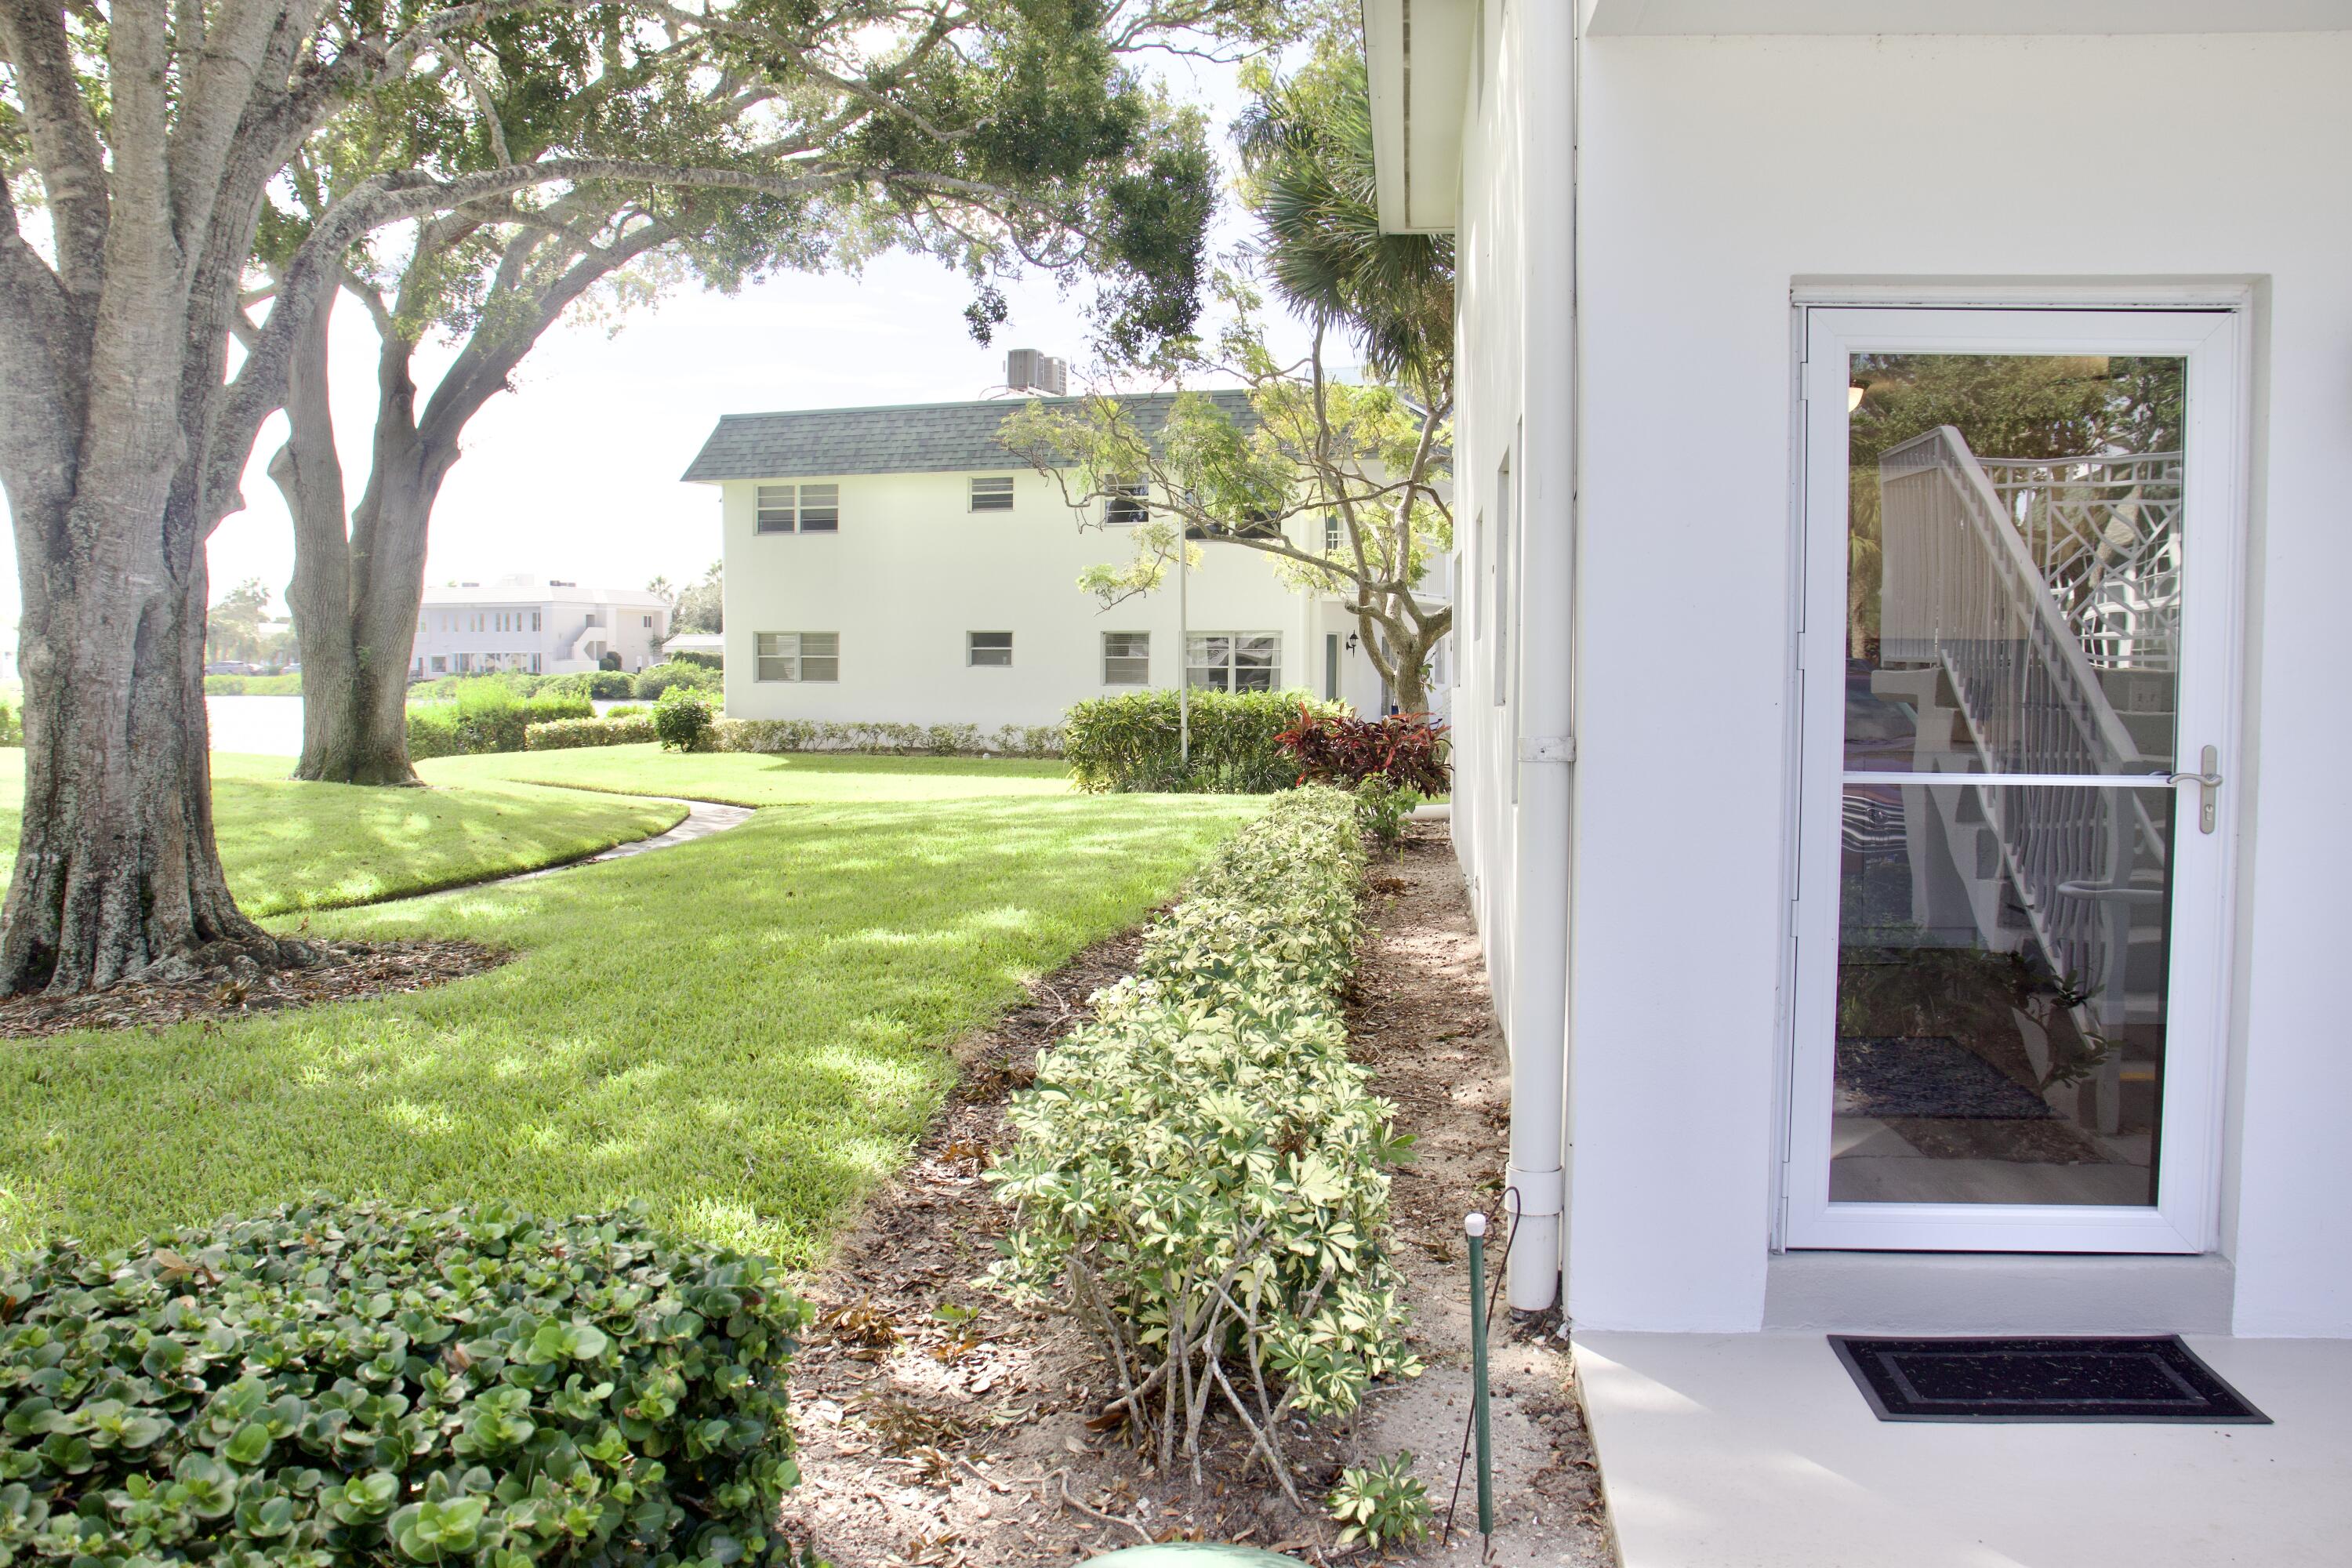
{"x":538,"y":625}
{"x":897,"y":564}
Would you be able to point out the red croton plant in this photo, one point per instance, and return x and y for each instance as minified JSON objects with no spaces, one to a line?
{"x":1406,"y":749}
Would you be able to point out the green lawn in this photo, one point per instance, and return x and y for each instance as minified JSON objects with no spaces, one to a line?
{"x":289,"y":846}
{"x":744,"y":1032}
{"x":742,"y":778}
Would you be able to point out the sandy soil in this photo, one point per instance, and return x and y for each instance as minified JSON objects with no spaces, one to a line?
{"x":939,"y":1428}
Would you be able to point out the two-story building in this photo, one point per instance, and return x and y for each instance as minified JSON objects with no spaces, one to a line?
{"x":537,"y":626}
{"x":901,"y":566}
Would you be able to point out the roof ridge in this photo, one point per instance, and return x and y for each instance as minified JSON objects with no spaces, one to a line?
{"x":972,"y":403}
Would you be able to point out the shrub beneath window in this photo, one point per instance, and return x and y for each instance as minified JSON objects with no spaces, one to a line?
{"x":614,"y":728}
{"x":655,"y":680}
{"x":335,"y":1384}
{"x":1131,"y":742}
{"x":776,"y":736}
{"x":1408,"y":749}
{"x":1200,"y":1175}
{"x":682,"y":721}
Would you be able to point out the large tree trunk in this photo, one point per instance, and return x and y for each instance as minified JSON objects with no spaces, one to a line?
{"x":355,"y":594}
{"x":117,"y":876}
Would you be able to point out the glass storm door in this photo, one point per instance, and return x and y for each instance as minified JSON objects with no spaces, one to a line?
{"x":2021,"y":544}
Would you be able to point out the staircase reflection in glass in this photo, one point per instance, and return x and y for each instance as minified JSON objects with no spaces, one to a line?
{"x":2015,"y":548}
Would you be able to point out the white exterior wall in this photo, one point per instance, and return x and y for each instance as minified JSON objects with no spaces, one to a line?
{"x":1715,"y":174}
{"x":913,"y":569}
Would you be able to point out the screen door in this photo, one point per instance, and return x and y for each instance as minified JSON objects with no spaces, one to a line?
{"x":2020,"y":546}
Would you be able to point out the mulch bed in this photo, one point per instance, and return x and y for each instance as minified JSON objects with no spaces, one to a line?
{"x":939,"y":1428}
{"x":342,"y":972}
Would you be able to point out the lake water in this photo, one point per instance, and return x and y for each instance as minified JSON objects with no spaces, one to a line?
{"x":265,"y":726}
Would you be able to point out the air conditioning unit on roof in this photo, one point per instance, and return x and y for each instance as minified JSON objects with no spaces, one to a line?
{"x":1031,"y":370}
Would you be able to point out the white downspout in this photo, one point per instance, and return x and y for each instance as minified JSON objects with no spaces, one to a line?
{"x":1547,"y":472}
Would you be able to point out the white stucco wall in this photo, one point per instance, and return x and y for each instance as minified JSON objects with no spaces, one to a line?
{"x":913,"y":569}
{"x":1716,"y":174}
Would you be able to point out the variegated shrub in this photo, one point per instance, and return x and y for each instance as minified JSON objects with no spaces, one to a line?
{"x":1200,"y":1172}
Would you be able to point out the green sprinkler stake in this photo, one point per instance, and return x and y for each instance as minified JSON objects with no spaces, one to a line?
{"x":1475,"y":1224}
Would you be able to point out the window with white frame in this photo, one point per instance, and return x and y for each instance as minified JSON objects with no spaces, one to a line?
{"x":1127,"y":658}
{"x":992,"y":492}
{"x":1331,"y":533}
{"x":799,"y":509}
{"x":1500,"y":616}
{"x":534,"y":620}
{"x":796,"y":655}
{"x":440,"y":664}
{"x":1234,"y":661}
{"x":1126,"y":502}
{"x":990,"y":649}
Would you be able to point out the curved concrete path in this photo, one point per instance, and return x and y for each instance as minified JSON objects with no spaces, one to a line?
{"x":703,"y":818}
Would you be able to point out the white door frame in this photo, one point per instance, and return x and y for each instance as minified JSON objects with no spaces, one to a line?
{"x":2184,"y":1218}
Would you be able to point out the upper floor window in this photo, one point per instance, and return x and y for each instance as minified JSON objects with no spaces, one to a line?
{"x":1126,"y":502}
{"x":992,"y":648}
{"x":534,"y":620}
{"x":1331,"y":533}
{"x":1235,"y":661}
{"x":993,"y":493}
{"x":796,"y":655}
{"x":799,"y":508}
{"x":1127,"y":658}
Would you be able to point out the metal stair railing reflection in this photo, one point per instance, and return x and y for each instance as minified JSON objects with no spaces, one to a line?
{"x":2025,"y":593}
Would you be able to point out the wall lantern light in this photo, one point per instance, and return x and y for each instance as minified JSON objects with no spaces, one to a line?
{"x":1853,"y":396}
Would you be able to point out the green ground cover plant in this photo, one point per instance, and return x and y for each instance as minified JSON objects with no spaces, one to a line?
{"x":1132,"y":743}
{"x":290,"y":846}
{"x":334,"y":1384}
{"x":745,"y":1032}
{"x":649,"y":683}
{"x":1200,"y":1175}
{"x":741,"y":779}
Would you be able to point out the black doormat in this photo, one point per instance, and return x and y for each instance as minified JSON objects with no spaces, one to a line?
{"x":2151,"y":1377}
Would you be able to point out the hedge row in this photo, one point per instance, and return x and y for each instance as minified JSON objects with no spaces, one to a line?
{"x":1133,"y":742}
{"x":1199,"y":1172}
{"x":254,"y":685}
{"x":562,"y":734}
{"x":602,"y":685}
{"x":346,"y":1384}
{"x":778,"y":735}
{"x":485,"y":720}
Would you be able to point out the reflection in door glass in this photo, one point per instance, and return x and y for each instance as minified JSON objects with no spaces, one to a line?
{"x":2002,"y":967}
{"x":2013,"y":607}
{"x":2015,"y":541}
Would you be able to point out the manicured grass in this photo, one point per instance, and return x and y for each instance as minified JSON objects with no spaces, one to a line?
{"x":745,"y":1032}
{"x":743,"y":778}
{"x":289,"y":846}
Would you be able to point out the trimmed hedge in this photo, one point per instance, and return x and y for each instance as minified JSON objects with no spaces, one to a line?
{"x":339,"y":1384}
{"x":604,"y":685}
{"x":1199,"y":1172}
{"x":657,"y":679}
{"x":254,"y":685}
{"x":775,"y":736}
{"x":1131,"y":742}
{"x":485,"y":719}
{"x":612,"y":730}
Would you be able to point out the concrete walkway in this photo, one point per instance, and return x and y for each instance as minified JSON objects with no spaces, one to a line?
{"x":1755,"y":1451}
{"x":703,"y":818}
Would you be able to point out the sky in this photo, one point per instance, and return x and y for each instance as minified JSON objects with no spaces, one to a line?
{"x":574,"y":473}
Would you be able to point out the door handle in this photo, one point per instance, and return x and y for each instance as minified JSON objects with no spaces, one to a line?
{"x":2208,"y":786}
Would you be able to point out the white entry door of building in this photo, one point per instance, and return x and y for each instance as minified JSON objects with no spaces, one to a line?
{"x":2022,"y":543}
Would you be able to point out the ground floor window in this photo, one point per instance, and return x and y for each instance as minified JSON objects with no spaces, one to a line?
{"x":990,"y":649}
{"x":535,"y":664}
{"x":465,"y":663}
{"x":796,"y":655}
{"x":1235,"y":661}
{"x":1127,"y":658}
{"x":1332,"y":666}
{"x":440,"y":664}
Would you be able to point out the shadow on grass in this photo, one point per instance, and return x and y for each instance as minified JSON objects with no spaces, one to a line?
{"x":744,"y":1032}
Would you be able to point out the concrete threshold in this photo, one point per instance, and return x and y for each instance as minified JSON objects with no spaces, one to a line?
{"x":1757,"y":1452}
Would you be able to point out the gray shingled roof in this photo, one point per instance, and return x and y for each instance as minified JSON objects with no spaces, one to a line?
{"x":907,"y":438}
